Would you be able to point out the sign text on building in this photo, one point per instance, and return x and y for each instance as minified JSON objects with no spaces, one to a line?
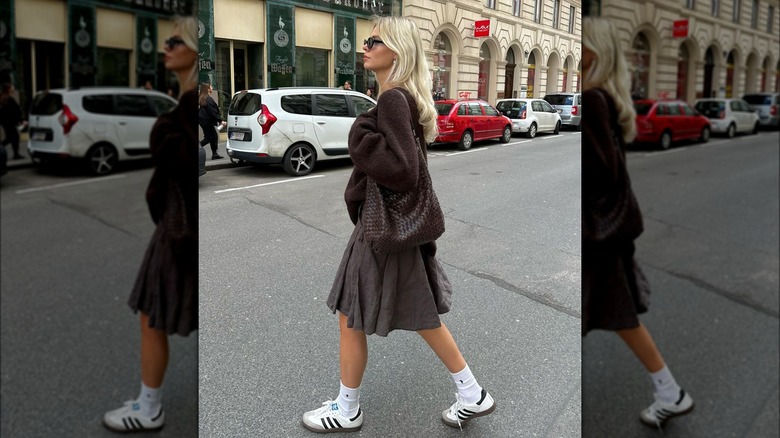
{"x":481,"y":28}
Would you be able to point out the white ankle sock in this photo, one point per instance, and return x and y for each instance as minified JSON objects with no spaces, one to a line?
{"x":349,"y":401}
{"x":667,"y":389}
{"x":150,"y":400}
{"x":468,"y":388}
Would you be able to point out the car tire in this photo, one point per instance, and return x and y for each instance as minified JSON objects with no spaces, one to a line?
{"x":466,"y":141}
{"x":732,"y":129}
{"x":507,"y":135}
{"x":666,"y":140}
{"x":101,"y":159}
{"x":299,"y":159}
{"x":755,"y":129}
{"x":557,"y":128}
{"x":705,"y":134}
{"x":531,"y":131}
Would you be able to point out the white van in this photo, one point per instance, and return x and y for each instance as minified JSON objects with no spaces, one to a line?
{"x":294,"y":126}
{"x":100,"y":125}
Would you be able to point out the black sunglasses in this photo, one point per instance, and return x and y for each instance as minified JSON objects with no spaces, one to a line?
{"x":370,"y":41}
{"x":171,"y":43}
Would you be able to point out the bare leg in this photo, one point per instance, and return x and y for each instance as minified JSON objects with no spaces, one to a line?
{"x":154,"y":354}
{"x":641,"y":343}
{"x":353,"y":354}
{"x":441,"y":342}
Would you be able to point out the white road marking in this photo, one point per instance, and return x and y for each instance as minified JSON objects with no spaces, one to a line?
{"x":270,"y":183}
{"x":465,"y":152}
{"x":67,"y":184}
{"x":550,"y":136}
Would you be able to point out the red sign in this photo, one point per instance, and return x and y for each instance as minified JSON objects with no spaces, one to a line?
{"x":464,"y":94}
{"x":481,"y":28}
{"x":680,"y":29}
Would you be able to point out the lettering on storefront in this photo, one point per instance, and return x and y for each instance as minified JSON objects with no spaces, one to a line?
{"x":280,"y":65}
{"x":345,"y":69}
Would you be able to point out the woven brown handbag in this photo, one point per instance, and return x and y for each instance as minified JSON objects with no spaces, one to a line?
{"x":395,"y":221}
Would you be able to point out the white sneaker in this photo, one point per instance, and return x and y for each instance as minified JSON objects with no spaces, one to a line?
{"x":328,"y":419}
{"x":460,"y":412}
{"x":660,"y":411}
{"x":129,"y":418}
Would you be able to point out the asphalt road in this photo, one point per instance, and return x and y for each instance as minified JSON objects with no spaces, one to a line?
{"x":710,"y":251}
{"x":69,"y":345}
{"x":269,"y":248}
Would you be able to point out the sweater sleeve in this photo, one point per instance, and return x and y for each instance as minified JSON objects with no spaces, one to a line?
{"x":382,"y":144}
{"x":599,"y":151}
{"x":213,"y":110}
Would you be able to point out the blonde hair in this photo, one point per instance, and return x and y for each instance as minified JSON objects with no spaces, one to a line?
{"x":188,"y":30}
{"x":609,"y":70}
{"x":410,"y":70}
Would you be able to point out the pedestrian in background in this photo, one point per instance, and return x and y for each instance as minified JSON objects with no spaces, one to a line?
{"x":208,"y":118}
{"x":614,"y":289}
{"x":347,"y":85}
{"x":369,"y":93}
{"x":166,"y":289}
{"x":376,"y":292}
{"x":10,"y":119}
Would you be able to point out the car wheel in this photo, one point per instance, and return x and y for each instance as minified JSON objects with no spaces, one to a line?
{"x":101,"y":159}
{"x":465,"y":141}
{"x":531,"y":131}
{"x":299,"y":159}
{"x":666,"y":140}
{"x":705,"y":134}
{"x":731,"y":131}
{"x":755,"y":128}
{"x":557,"y":128}
{"x":507,"y":135}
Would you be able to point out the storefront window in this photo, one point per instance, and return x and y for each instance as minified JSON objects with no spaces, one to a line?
{"x":640,"y":67}
{"x":255,"y":66}
{"x":484,"y":72}
{"x":113,"y":67}
{"x":222,"y":67}
{"x":682,"y":71}
{"x":509,"y":73}
{"x":311,"y":66}
{"x":531,"y":76}
{"x":442,"y":64}
{"x":730,"y":75}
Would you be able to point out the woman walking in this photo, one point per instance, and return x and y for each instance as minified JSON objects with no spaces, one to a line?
{"x":166,"y":289}
{"x":10,"y":118}
{"x":208,"y":118}
{"x":376,"y":292}
{"x":614,"y":289}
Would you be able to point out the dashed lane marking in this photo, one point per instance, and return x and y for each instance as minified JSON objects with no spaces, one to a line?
{"x":68,"y":184}
{"x":302,"y":178}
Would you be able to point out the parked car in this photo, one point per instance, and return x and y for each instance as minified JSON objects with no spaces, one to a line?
{"x":768,"y":107}
{"x":668,"y":121}
{"x":96,"y":124}
{"x":728,"y":116}
{"x":530,"y":116}
{"x":569,"y":106}
{"x":294,"y":127}
{"x":468,"y":120}
{"x":201,"y":161}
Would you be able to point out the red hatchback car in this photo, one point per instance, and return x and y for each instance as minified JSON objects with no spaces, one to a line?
{"x":665,"y":121}
{"x":469,"y":120}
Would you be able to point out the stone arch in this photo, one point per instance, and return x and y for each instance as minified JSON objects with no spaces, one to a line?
{"x":533,"y":77}
{"x":489,"y":56}
{"x":752,"y":76}
{"x":553,"y":70}
{"x":450,"y":60}
{"x":514,"y":60}
{"x":687,"y":67}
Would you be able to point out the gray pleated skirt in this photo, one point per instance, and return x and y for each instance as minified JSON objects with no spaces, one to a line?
{"x":380,"y":293}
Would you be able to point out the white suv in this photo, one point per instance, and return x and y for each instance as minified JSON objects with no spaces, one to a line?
{"x":294,"y":127}
{"x":99,"y":124}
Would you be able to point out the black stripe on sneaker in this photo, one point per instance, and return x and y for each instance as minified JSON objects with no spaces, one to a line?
{"x":356,"y":416}
{"x":484,"y":394}
{"x":324,"y":425}
{"x":337,"y":423}
{"x":127,"y":426}
{"x":330,"y":422}
{"x":466,"y":410}
{"x":137,"y":423}
{"x":158,"y":415}
{"x":682,"y":396}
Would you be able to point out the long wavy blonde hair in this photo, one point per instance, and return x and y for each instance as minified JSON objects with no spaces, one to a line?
{"x":188,"y":29}
{"x":609,"y":70}
{"x":410,"y":71}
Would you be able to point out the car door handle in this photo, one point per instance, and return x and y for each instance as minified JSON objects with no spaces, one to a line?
{"x":321,"y":123}
{"x":122,"y":123}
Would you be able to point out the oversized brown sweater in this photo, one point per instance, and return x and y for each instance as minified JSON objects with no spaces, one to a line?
{"x":382,"y":145}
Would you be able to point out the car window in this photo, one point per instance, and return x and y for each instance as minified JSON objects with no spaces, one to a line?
{"x":757,"y":99}
{"x":734,"y":105}
{"x":579,"y":99}
{"x":536,"y":105}
{"x":559,"y":99}
{"x":245,"y":104}
{"x":710,"y":108}
{"x":443,"y":109}
{"x":642,"y":108}
{"x":674,"y":109}
{"x":98,"y":103}
{"x":489,"y":110}
{"x":161,"y":105}
{"x":331,"y":105}
{"x":46,"y":104}
{"x":462,"y":110}
{"x":662,"y":110}
{"x":688,"y":111}
{"x":745,"y":106}
{"x":133,"y":105}
{"x":297,"y":103}
{"x":474,"y":109}
{"x":547,"y":107}
{"x":361,"y":104}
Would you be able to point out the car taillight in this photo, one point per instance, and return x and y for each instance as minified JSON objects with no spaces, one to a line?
{"x":574,"y":110}
{"x":522,"y":115}
{"x":67,"y":119}
{"x":266,"y":120}
{"x":773,"y":110}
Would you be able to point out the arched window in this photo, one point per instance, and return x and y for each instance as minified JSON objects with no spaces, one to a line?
{"x":682,"y":71}
{"x":484,"y":72}
{"x":441,"y":67}
{"x":640,"y":67}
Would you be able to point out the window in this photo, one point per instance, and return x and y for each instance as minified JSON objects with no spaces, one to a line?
{"x":98,"y":103}
{"x":489,"y":110}
{"x":334,"y":105}
{"x":538,"y":11}
{"x":361,"y":105}
{"x":516,"y":8}
{"x":113,"y":67}
{"x":133,"y":105}
{"x":161,"y":105}
{"x":754,"y":15}
{"x":245,"y":104}
{"x":491,"y":4}
{"x":715,"y":8}
{"x":556,"y":13}
{"x":737,"y":7}
{"x":46,"y":104}
{"x":297,"y":103}
{"x":690,"y":4}
{"x":474,"y":109}
{"x":769,"y":26}
{"x":735,"y":106}
{"x":536,"y":106}
{"x":674,"y":109}
{"x":461,"y":110}
{"x":547,"y":107}
{"x":572,"y":17}
{"x":688,"y":111}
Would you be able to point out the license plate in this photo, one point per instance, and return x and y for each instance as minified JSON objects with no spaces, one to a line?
{"x":38,"y":136}
{"x":236,"y":135}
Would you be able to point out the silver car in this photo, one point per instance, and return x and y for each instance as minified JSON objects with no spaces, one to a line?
{"x":569,"y":106}
{"x":728,"y":116}
{"x":768,"y":107}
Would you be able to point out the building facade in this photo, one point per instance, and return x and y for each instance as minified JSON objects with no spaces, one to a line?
{"x":532,"y":47}
{"x":693,"y":48}
{"x":46,"y":44}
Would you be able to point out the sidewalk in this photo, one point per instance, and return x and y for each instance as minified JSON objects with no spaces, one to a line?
{"x":222,"y":163}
